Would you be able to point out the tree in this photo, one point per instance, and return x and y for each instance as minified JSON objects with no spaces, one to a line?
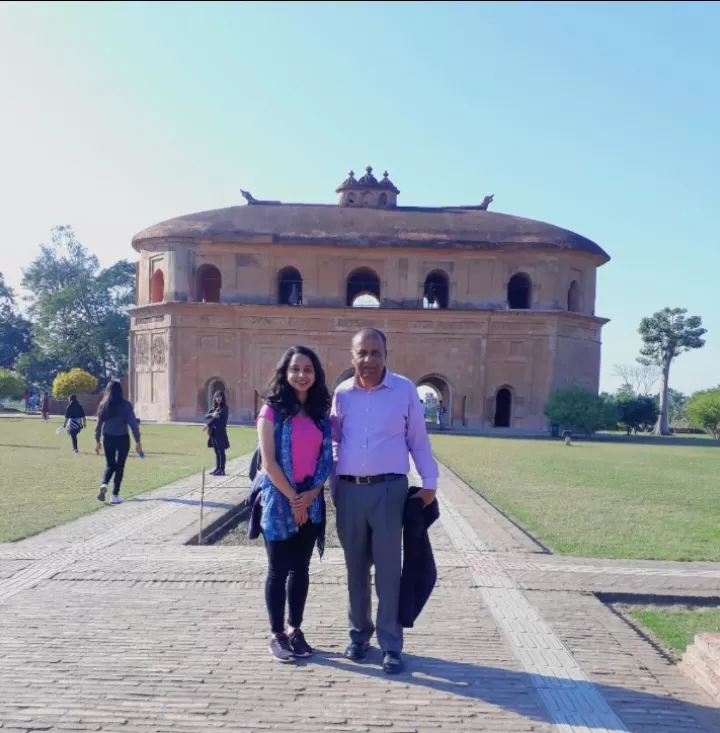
{"x":76,"y":381}
{"x":703,"y":410}
{"x":11,"y":386}
{"x":638,"y":379}
{"x":80,"y":309}
{"x":38,"y":370}
{"x":667,"y":334}
{"x":636,"y":411}
{"x":677,"y":406}
{"x":579,"y":408}
{"x":15,"y":331}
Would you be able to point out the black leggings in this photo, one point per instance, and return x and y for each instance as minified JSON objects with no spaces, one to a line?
{"x":73,"y":437}
{"x":219,"y":458}
{"x":289,"y":577}
{"x":116,"y":448}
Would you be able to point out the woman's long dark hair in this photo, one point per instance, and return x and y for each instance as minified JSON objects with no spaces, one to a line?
{"x":112,"y":399}
{"x":223,"y":399}
{"x":281,"y":396}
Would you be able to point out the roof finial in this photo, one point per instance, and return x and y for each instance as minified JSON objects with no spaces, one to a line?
{"x":386,"y":174}
{"x":369,"y":169}
{"x":351,"y":174}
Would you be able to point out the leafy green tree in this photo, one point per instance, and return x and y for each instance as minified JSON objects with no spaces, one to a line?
{"x":636,"y":411}
{"x":703,"y":410}
{"x":677,"y":406}
{"x":76,"y":381}
{"x":667,"y":334}
{"x":38,"y":370}
{"x":15,"y":331}
{"x":80,"y":309}
{"x":577,"y":408}
{"x":11,"y":385}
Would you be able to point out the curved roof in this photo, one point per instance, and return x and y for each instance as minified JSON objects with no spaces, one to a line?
{"x":348,"y":226}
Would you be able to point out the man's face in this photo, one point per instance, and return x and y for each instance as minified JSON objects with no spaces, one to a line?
{"x":368,"y":357}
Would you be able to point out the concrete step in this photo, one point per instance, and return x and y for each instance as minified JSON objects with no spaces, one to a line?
{"x":701,"y":662}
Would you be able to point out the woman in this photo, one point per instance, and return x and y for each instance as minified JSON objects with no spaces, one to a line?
{"x":115,"y":416}
{"x":75,"y":414}
{"x":296,"y":451}
{"x":217,"y":431}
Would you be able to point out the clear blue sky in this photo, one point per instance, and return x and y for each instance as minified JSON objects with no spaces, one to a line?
{"x":599,"y":117}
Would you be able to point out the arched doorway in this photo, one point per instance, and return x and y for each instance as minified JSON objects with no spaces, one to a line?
{"x":519,"y":292}
{"x":573,"y":300}
{"x":208,"y":284}
{"x":363,"y":289}
{"x":214,"y":385}
{"x":345,"y":375}
{"x":290,"y":286}
{"x":435,"y":392}
{"x":157,"y":287}
{"x":436,"y":292}
{"x":503,"y":408}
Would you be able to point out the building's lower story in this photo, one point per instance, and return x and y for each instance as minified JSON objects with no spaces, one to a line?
{"x":490,"y":368}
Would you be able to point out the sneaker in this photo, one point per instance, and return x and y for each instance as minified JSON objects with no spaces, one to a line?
{"x":281,"y":650}
{"x":117,"y":500}
{"x":299,"y":645}
{"x":103,"y":491}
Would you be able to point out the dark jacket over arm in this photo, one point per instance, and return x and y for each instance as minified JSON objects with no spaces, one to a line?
{"x":419,"y":573}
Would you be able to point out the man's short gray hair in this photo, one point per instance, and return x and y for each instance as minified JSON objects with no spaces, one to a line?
{"x":372,"y":332}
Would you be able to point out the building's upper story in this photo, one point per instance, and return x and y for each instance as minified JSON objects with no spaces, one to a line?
{"x":367,"y":251}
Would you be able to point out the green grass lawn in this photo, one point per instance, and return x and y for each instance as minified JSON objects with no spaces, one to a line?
{"x":676,"y":630}
{"x":44,"y":484}
{"x":599,"y":498}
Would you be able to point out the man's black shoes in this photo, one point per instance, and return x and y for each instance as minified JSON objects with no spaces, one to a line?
{"x":357,"y":651}
{"x":392,"y":663}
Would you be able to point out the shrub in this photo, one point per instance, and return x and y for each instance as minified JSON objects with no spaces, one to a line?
{"x":76,"y":381}
{"x":703,"y":410}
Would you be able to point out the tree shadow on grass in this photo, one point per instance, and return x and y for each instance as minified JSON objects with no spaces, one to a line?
{"x":538,"y":697}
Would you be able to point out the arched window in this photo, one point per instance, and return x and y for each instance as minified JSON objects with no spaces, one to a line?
{"x":503,"y":408}
{"x":436,"y":293}
{"x":383,"y":199}
{"x":157,"y":287}
{"x":289,"y":287}
{"x":209,"y":283}
{"x":351,"y":199}
{"x":363,"y":289}
{"x":573,"y":300}
{"x":519,"y":292}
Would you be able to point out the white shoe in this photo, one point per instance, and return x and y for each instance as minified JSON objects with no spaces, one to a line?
{"x":116,"y":500}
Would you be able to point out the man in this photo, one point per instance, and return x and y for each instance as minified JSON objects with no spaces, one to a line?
{"x":441,"y":412}
{"x":377,"y":423}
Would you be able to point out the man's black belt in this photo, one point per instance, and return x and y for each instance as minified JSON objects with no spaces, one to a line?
{"x":369,"y":480}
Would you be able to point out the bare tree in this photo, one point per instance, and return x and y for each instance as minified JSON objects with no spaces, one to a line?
{"x":640,"y":379}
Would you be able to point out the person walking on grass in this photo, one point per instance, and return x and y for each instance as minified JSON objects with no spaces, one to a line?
{"x":115,"y":417}
{"x":217,"y":431}
{"x":75,"y":420}
{"x":377,"y":424}
{"x":296,"y":451}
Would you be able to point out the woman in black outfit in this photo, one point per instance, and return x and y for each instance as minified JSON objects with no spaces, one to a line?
{"x":217,"y":431}
{"x":76,"y":417}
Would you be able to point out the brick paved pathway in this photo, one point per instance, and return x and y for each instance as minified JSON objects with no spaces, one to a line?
{"x":112,"y":623}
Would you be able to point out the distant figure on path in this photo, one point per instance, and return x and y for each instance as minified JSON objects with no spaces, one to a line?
{"x":75,"y":420}
{"x":297,"y":457}
{"x":45,"y":407}
{"x":217,"y":431}
{"x":441,"y":412}
{"x":114,"y":419}
{"x":377,"y":423}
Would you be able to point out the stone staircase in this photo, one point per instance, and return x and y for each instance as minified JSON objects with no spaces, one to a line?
{"x":701,"y":662}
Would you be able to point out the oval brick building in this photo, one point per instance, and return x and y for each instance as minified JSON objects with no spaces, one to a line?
{"x":492,"y":311}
